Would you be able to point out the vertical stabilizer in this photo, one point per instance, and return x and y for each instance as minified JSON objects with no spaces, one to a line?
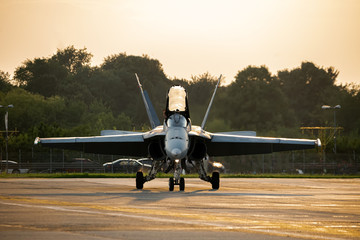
{"x":210,"y":104}
{"x":153,"y":114}
{"x":153,"y":118}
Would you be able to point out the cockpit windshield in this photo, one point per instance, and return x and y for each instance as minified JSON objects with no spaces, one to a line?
{"x":176,"y":120}
{"x":177,"y":99}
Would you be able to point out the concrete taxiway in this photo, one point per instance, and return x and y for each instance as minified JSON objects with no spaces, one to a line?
{"x":242,"y":208}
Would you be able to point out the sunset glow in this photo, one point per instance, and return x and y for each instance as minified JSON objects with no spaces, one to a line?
{"x":188,"y":37}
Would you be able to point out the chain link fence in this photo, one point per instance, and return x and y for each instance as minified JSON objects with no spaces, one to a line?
{"x":295,"y":162}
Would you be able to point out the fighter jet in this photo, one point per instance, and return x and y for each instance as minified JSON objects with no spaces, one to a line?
{"x":177,"y":143}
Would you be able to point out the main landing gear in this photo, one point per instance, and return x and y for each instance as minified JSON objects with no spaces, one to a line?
{"x":139,"y":180}
{"x":180,"y":182}
{"x":177,"y":180}
{"x":215,"y":180}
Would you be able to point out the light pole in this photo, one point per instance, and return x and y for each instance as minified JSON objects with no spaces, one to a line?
{"x":7,"y":135}
{"x":334,"y":108}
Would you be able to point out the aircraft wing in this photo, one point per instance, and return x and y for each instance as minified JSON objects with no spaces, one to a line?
{"x":122,"y":144}
{"x":222,"y":144}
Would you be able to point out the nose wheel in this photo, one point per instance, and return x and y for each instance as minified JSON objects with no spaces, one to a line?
{"x":180,"y":182}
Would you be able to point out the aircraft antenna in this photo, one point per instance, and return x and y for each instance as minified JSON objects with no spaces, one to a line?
{"x":210,"y":104}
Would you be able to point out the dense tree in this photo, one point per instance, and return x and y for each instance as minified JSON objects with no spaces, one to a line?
{"x":255,"y":102}
{"x":5,"y":84}
{"x":74,"y":60}
{"x":34,"y":115}
{"x":40,"y":76}
{"x":62,"y":95}
{"x":200,"y":89}
{"x":307,"y":89}
{"x":349,"y":114}
{"x":61,"y":74}
{"x":115,"y":84}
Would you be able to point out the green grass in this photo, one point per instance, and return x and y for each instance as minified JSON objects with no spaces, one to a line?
{"x":279,"y":175}
{"x":163,"y":175}
{"x":69,"y":175}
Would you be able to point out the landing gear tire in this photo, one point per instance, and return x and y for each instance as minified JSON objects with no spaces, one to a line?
{"x":171,"y":184}
{"x":215,"y":180}
{"x":182,"y":184}
{"x":139,"y":180}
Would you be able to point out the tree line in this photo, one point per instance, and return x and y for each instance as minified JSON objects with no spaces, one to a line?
{"x":63,"y":95}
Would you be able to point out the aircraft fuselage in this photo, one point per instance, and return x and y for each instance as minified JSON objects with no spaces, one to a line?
{"x":176,"y":138}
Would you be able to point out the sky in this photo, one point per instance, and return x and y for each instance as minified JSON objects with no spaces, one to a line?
{"x":189,"y":37}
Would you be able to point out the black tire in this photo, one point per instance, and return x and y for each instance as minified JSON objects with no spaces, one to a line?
{"x":16,"y":171}
{"x":182,"y":184}
{"x":171,"y":184}
{"x":215,"y":180}
{"x":139,"y":180}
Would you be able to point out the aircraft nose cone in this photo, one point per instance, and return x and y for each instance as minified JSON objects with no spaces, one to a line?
{"x":175,"y":152}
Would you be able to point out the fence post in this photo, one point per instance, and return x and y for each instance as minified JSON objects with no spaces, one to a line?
{"x":63,"y":158}
{"x":50,"y":160}
{"x":304,"y":161}
{"x":19,"y":158}
{"x":81,"y":162}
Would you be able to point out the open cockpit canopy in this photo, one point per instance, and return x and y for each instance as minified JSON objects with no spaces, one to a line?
{"x":177,"y":101}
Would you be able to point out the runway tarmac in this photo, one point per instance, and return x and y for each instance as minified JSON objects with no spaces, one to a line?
{"x":241,"y":209}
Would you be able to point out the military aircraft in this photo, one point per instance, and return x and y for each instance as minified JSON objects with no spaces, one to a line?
{"x":177,"y":143}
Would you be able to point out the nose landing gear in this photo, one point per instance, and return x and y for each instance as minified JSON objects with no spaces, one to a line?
{"x":177,"y":180}
{"x":180,"y":182}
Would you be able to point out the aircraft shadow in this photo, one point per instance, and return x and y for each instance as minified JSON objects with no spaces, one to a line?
{"x":148,"y":195}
